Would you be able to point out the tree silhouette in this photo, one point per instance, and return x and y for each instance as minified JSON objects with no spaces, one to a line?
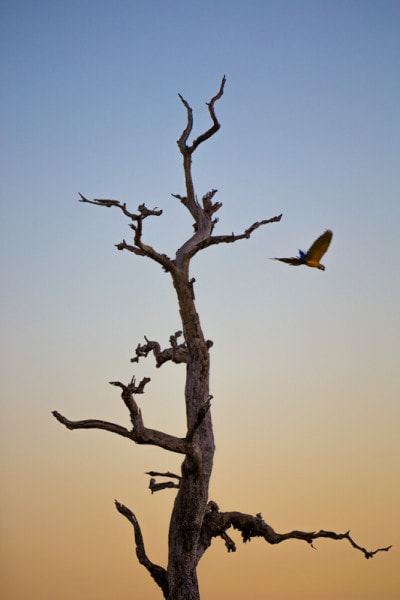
{"x":195,"y":519}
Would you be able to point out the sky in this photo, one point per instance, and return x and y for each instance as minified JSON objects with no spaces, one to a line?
{"x":304,"y":374}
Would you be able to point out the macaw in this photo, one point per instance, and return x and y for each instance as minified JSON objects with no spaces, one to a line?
{"x":313,"y":255}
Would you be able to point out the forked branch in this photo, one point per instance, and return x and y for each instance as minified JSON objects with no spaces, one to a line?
{"x":143,"y":435}
{"x":139,"y":433}
{"x":139,"y":248}
{"x":203,"y":212}
{"x":182,"y":142}
{"x":187,"y":150}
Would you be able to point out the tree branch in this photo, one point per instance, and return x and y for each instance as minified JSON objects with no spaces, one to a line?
{"x":139,"y":248}
{"x":156,"y":487}
{"x":177,"y":353}
{"x":204,"y":239}
{"x":143,"y":210}
{"x":216,"y":523}
{"x":92,"y":424}
{"x":158,"y":573}
{"x":204,"y":223}
{"x":227,"y":239}
{"x":215,"y":126}
{"x":133,"y":388}
{"x":189,"y":201}
{"x":166,"y":474}
{"x":139,"y":433}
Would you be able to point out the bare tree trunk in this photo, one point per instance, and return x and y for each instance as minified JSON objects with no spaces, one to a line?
{"x":191,"y":500}
{"x":195,"y":521}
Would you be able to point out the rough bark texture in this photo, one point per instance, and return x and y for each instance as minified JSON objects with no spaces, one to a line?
{"x":195,"y":520}
{"x":191,"y":500}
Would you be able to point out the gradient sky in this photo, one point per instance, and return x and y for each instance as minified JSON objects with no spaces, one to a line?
{"x":305,"y":364}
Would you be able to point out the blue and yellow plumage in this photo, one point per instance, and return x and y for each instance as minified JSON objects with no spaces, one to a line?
{"x":312,"y":257}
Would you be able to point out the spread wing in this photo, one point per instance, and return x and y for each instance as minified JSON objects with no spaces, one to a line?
{"x":291,"y":261}
{"x":320,"y":246}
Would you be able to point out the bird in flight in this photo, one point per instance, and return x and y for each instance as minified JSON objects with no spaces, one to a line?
{"x":313,"y":255}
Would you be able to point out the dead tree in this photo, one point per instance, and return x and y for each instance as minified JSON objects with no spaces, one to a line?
{"x":195,"y":520}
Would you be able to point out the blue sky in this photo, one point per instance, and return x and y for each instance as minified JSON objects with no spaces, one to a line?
{"x":310,"y":128}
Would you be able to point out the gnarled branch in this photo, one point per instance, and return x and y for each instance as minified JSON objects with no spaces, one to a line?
{"x":143,"y":210}
{"x":158,"y":573}
{"x":177,"y":353}
{"x":217,"y":523}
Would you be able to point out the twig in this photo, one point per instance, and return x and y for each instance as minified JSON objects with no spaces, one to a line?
{"x":228,"y":239}
{"x":167,"y":474}
{"x":156,"y":487}
{"x":92,"y":424}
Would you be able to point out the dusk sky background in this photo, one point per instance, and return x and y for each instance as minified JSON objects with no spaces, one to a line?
{"x":305,"y":363}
